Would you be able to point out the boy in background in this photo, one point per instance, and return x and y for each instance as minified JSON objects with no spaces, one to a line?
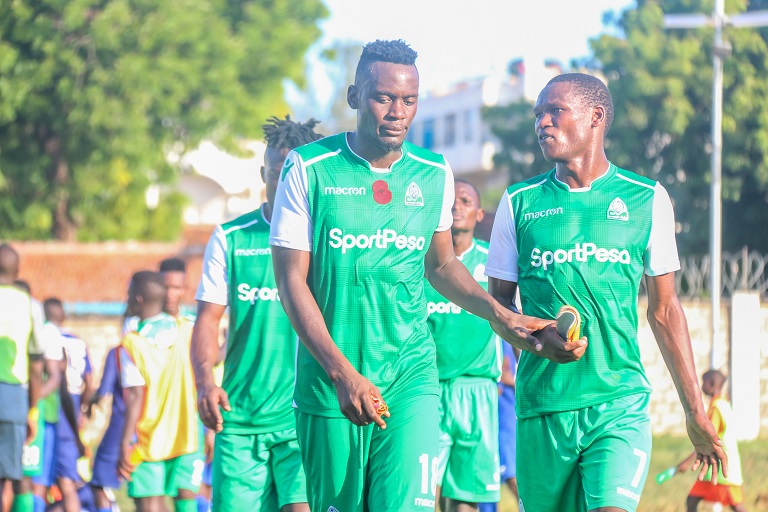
{"x":727,"y":491}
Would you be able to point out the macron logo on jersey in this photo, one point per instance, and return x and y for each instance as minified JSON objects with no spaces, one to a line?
{"x":345,"y":191}
{"x":581,"y":253}
{"x":543,"y":213}
{"x":248,"y":294}
{"x":382,"y":239}
{"x":258,"y":251}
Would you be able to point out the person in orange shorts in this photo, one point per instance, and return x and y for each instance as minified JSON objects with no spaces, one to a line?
{"x":727,"y":491}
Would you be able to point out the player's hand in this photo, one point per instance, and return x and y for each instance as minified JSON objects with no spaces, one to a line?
{"x":31,"y":428}
{"x":80,"y":446}
{"x":557,"y":349}
{"x":709,"y":447}
{"x":210,"y":438}
{"x":507,"y":376}
{"x":518,"y":330}
{"x":359,"y":400}
{"x":124,"y":467}
{"x":210,"y":401}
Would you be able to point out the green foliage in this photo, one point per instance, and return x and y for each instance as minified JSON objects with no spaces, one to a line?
{"x":661,"y":82}
{"x":93,"y":95}
{"x":520,"y":153}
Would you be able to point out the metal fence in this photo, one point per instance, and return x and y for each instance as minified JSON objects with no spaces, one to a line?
{"x":744,"y":270}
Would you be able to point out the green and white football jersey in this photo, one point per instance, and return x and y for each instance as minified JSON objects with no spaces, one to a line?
{"x":466,"y":344}
{"x":261,"y":344}
{"x":588,"y":248}
{"x":368,"y":231}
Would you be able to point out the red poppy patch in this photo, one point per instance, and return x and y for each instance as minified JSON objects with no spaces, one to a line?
{"x":381,"y":192}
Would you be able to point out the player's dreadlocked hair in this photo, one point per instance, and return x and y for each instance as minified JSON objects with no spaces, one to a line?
{"x":592,"y":91}
{"x":396,"y":52}
{"x":288,"y":134}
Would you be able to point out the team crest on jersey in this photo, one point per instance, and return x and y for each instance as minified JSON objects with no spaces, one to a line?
{"x":618,"y":210}
{"x":413,"y":195}
{"x":332,"y":509}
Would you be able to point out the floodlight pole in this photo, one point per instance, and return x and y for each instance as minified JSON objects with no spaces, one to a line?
{"x":716,"y":190}
{"x":721,"y":50}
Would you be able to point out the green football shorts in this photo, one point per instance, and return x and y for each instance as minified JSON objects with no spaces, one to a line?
{"x":356,"y":469}
{"x":166,"y":477}
{"x":32,"y":453}
{"x":469,"y":440}
{"x":585,"y":459}
{"x":257,"y":471}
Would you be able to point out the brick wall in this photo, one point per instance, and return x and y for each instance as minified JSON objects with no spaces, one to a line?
{"x":666,"y":412}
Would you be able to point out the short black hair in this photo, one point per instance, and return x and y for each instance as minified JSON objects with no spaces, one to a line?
{"x":9,"y":261}
{"x":54,"y":310}
{"x":477,"y":192}
{"x":717,"y":377}
{"x":396,"y":52}
{"x":23,"y":285}
{"x":173,"y":265}
{"x":288,"y":134}
{"x":149,"y":285}
{"x":592,"y":90}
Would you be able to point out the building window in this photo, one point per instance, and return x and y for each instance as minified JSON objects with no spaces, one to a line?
{"x":468,"y":128}
{"x":450,"y":130}
{"x":429,"y":133}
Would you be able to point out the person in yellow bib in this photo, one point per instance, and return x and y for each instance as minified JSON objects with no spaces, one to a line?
{"x":727,"y":491}
{"x":156,"y":373}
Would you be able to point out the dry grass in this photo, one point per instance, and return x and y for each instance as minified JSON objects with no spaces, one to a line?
{"x":669,"y":497}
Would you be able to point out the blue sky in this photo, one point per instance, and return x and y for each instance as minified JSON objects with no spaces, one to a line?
{"x":459,"y":39}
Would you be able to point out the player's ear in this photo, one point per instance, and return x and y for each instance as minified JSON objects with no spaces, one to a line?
{"x":263,"y":173}
{"x":598,"y":116}
{"x":480,"y":215}
{"x":353,"y":97}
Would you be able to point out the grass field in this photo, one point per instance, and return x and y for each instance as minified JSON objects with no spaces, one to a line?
{"x":669,"y":497}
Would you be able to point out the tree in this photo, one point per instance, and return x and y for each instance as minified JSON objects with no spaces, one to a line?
{"x":661,"y":82}
{"x":94,"y":94}
{"x":520,"y":154}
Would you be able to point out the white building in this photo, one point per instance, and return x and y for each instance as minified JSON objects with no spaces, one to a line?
{"x":219,"y":185}
{"x":449,"y":121}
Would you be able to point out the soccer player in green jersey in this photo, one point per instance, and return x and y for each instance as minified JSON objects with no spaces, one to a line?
{"x":469,"y":358}
{"x":584,"y":234}
{"x":359,"y":219}
{"x":256,"y":455}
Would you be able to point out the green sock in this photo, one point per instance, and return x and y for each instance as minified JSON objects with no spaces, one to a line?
{"x":23,"y":503}
{"x":186,"y":505}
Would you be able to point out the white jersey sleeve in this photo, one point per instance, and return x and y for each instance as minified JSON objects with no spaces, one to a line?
{"x":503,"y":252}
{"x":661,"y":255}
{"x":446,"y":212}
{"x":214,"y":281}
{"x":130,"y":376}
{"x":291,"y":223}
{"x":51,"y":342}
{"x":36,"y":341}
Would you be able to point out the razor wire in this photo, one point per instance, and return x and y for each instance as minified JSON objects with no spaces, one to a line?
{"x":741,"y":271}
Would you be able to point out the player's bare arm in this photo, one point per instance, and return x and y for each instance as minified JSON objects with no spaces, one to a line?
{"x":551,"y":345}
{"x":355,"y":393}
{"x":667,"y":320}
{"x":454,"y":282}
{"x":134,"y":403}
{"x":205,"y":355}
{"x":35,"y":394}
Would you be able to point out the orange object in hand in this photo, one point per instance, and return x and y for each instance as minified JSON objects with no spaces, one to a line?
{"x":569,"y":323}
{"x":381,"y":407}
